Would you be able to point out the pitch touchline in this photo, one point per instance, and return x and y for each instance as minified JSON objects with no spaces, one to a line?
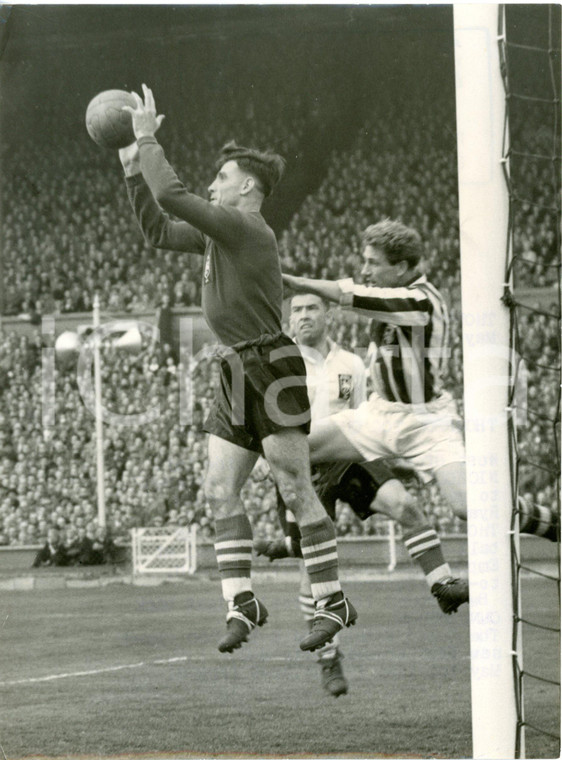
{"x":113,"y":669}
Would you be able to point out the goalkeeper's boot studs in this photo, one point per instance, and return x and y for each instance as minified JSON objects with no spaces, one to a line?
{"x":244,"y":614}
{"x":331,"y":615}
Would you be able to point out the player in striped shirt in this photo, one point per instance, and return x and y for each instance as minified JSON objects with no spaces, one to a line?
{"x":409,"y":414}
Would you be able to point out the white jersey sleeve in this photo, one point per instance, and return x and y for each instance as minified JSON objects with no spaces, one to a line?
{"x":359,"y":389}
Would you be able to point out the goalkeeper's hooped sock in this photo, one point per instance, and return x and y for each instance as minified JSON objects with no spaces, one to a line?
{"x":424,"y":547}
{"x":320,"y":554}
{"x":538,"y":520}
{"x":233,"y":549}
{"x":307,"y":607}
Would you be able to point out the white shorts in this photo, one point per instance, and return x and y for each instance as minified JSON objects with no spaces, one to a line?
{"x":428,"y":436}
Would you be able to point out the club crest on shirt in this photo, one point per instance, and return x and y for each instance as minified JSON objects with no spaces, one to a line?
{"x":207,"y":272}
{"x":345,"y":386}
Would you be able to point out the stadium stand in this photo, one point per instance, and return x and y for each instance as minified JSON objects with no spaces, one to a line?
{"x":68,"y":233}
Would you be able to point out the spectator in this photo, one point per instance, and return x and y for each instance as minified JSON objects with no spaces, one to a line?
{"x":53,"y":552}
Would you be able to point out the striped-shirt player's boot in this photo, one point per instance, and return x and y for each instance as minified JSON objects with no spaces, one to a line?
{"x":424,"y":547}
{"x":450,"y":593}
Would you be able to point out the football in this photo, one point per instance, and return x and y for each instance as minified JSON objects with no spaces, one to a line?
{"x":107,"y":124}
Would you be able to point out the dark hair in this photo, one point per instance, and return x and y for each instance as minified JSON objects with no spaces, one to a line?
{"x":324,"y":301}
{"x":399,"y":243}
{"x":266,"y":166}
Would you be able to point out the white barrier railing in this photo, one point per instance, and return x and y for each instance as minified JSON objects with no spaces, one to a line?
{"x":164,"y":550}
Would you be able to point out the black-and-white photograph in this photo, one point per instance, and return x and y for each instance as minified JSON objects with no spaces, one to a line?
{"x":280,"y":372}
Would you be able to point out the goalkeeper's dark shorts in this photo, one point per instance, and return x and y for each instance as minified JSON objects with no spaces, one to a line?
{"x":262,"y":391}
{"x":355,"y":484}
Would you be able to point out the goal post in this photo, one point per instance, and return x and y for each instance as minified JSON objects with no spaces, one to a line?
{"x":484,"y":224}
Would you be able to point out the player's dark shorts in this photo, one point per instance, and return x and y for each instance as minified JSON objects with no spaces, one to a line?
{"x":262,"y":391}
{"x":355,"y":484}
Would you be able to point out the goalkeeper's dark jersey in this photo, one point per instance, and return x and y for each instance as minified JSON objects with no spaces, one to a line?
{"x":242,"y":287}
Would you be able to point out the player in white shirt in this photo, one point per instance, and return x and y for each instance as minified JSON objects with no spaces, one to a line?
{"x":336,"y":380}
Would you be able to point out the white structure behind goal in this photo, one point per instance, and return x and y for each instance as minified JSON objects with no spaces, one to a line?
{"x":164,"y":550}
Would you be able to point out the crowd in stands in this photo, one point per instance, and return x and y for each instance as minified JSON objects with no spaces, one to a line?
{"x":153,"y":469}
{"x":393,"y":169}
{"x":76,"y":546}
{"x":68,"y":232}
{"x":154,"y":464}
{"x":538,"y":347}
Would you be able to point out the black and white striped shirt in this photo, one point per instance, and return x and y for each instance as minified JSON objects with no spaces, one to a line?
{"x":411,"y":331}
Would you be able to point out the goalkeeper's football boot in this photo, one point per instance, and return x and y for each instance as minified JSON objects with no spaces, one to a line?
{"x":277,"y":549}
{"x":333,"y":679}
{"x":244,"y":614}
{"x":450,"y":593}
{"x":331,"y":615}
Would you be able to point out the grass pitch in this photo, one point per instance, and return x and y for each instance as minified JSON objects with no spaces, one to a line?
{"x":133,"y":671}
